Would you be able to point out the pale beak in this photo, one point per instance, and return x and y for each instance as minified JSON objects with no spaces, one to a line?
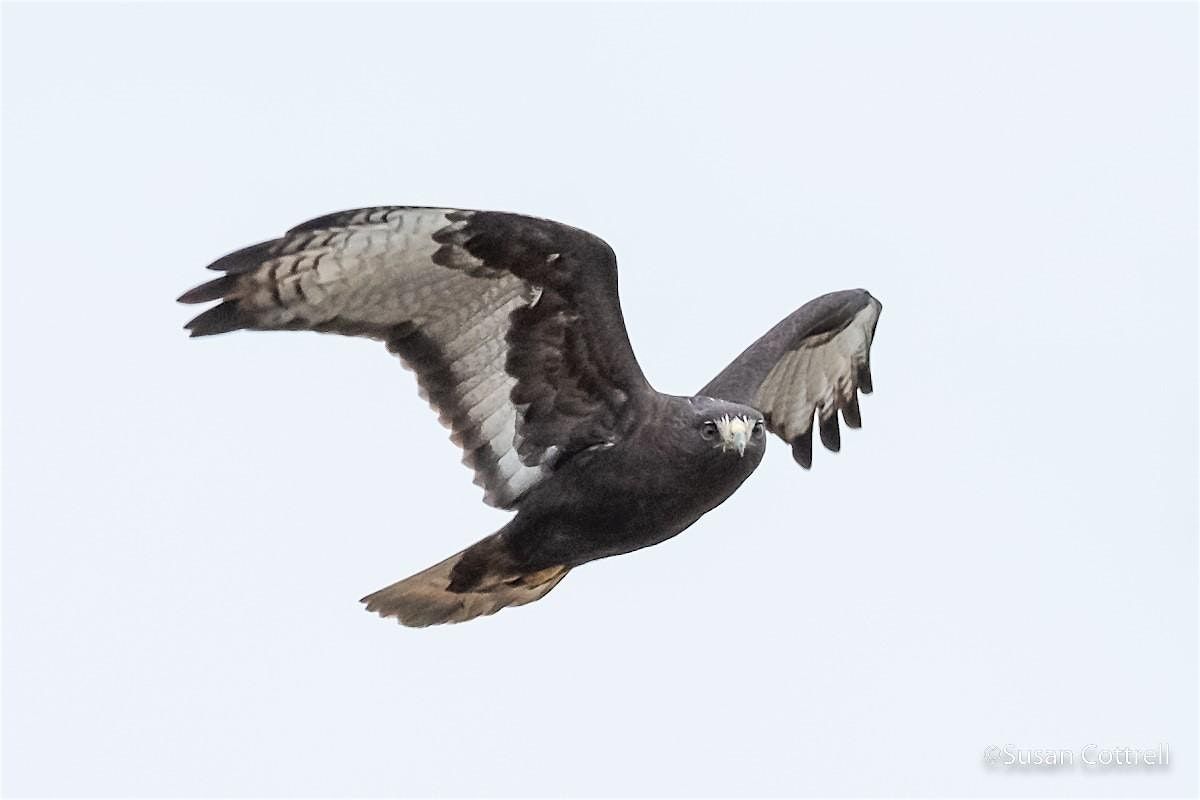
{"x":737,"y":435}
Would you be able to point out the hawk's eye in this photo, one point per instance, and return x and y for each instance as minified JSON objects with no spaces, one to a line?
{"x":758,"y":428}
{"x":709,"y":430}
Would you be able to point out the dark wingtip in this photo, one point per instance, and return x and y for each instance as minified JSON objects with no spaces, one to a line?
{"x":247,"y":259}
{"x":831,"y":433}
{"x":220,"y":319}
{"x":212,"y":290}
{"x":851,"y":412}
{"x":802,"y":449}
{"x":864,"y":379}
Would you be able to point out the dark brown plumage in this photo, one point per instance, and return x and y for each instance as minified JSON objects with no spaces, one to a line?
{"x":514,"y":329}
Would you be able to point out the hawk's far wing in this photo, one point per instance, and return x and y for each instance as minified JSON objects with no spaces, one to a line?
{"x":814,"y":361}
{"x":511,"y":323}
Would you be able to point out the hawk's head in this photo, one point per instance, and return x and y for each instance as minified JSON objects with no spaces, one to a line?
{"x":732,"y":433}
{"x":729,"y":427}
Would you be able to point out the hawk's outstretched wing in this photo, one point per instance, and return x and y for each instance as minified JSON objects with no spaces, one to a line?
{"x":814,"y":361}
{"x":511,"y":323}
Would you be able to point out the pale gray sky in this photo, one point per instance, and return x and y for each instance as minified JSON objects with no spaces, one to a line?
{"x":1006,"y":553}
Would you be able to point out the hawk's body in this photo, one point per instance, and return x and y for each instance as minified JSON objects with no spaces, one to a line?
{"x":514,"y":328}
{"x":611,"y":500}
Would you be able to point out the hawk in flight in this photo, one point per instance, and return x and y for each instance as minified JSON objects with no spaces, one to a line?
{"x":514,"y":330}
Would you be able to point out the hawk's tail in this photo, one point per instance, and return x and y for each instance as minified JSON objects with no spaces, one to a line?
{"x":478,"y":581}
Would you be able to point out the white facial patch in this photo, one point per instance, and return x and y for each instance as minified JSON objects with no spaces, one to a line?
{"x":735,"y":431}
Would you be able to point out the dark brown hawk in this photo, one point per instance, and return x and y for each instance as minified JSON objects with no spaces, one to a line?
{"x":514,"y":329}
